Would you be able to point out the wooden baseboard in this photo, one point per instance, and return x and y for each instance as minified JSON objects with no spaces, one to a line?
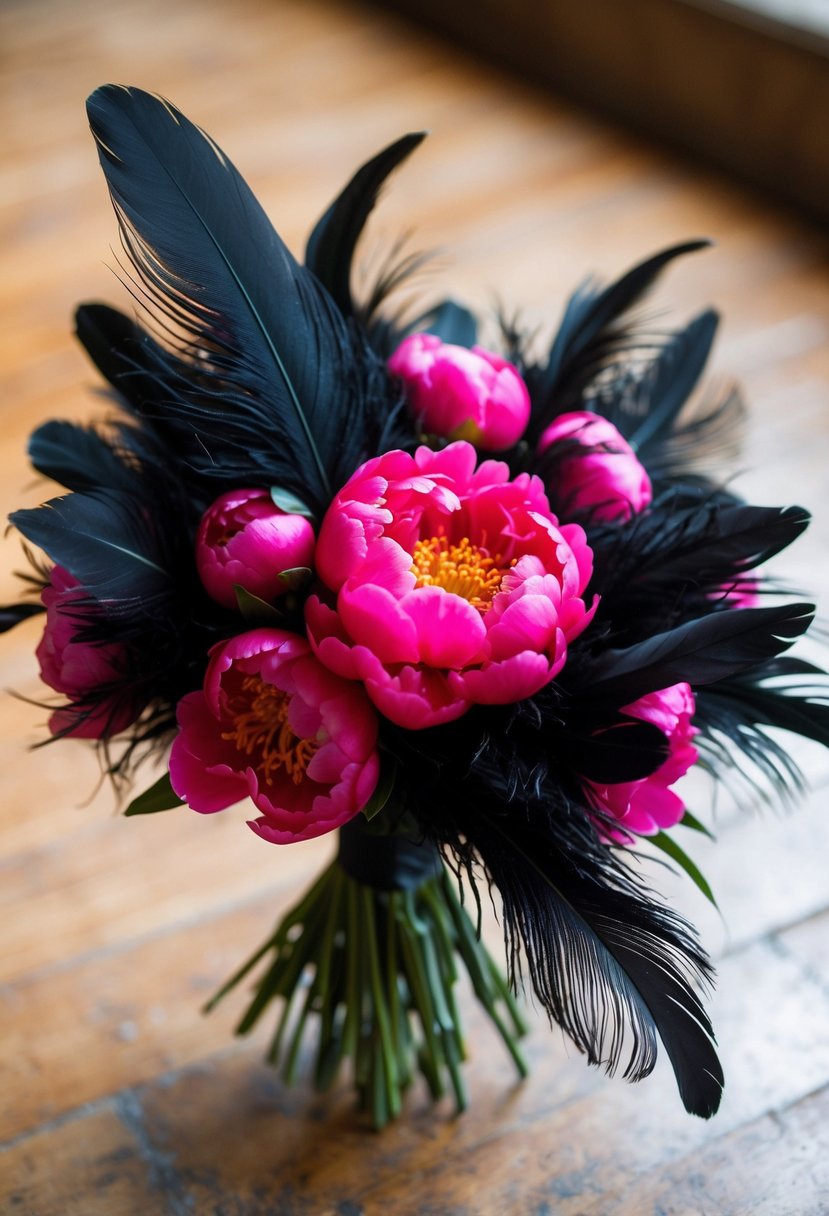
{"x":738,"y":88}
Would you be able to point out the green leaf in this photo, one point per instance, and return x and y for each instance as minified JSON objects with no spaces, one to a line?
{"x":668,"y":845}
{"x":382,"y":792}
{"x":690,"y":821}
{"x":295,"y":577}
{"x":254,"y":610}
{"x":159,"y":797}
{"x":289,"y":503}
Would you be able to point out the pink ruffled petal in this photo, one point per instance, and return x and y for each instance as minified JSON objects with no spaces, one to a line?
{"x":505,"y":682}
{"x":450,"y":632}
{"x":528,"y":623}
{"x":196,"y":772}
{"x":653,"y":809}
{"x":416,"y":698}
{"x":371,"y":615}
{"x":327,"y":765}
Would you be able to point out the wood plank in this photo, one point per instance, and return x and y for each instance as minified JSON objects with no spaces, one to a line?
{"x":681,"y":70}
{"x":561,"y":1138}
{"x":776,"y":1166}
{"x":91,"y":1166}
{"x":808,"y":942}
{"x":75,"y":1034}
{"x":767,"y":868}
{"x":113,"y":881}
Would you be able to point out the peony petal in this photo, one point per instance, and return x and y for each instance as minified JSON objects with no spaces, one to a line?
{"x":450,"y":632}
{"x":416,"y":697}
{"x":372,"y":616}
{"x":197,"y":773}
{"x":327,"y":764}
{"x":529,"y":622}
{"x":652,"y":809}
{"x":505,"y":682}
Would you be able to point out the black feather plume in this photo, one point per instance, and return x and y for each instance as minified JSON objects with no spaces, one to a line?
{"x":77,"y":457}
{"x":699,"y":652}
{"x":665,"y":386}
{"x":786,"y":694}
{"x":261,"y":361}
{"x":674,"y":562}
{"x":610,"y":965}
{"x":14,"y":614}
{"x":590,"y":335}
{"x":330,"y":249}
{"x":102,"y":538}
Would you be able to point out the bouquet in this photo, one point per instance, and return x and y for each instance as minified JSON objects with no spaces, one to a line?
{"x":477,"y":612}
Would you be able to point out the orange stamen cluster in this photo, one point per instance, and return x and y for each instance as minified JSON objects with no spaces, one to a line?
{"x":462,"y":569}
{"x":261,"y":725}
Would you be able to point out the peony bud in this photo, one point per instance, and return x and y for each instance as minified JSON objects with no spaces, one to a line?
{"x":245,"y":540}
{"x":596,"y":472}
{"x":650,"y":805}
{"x":462,"y":394}
{"x":93,"y":675}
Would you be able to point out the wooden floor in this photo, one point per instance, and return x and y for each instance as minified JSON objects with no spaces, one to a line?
{"x":117,"y":1097}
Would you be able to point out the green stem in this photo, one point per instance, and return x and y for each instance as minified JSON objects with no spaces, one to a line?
{"x":380,"y":970}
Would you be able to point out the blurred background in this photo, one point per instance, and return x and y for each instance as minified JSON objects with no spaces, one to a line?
{"x":565,"y":141}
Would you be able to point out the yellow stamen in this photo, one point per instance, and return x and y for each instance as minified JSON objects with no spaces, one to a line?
{"x":463,"y":569}
{"x":261,"y":725}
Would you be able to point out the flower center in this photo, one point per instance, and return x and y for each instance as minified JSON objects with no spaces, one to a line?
{"x":462,"y":569}
{"x":260,"y":723}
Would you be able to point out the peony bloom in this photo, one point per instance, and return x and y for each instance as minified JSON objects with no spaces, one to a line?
{"x":597,"y":470}
{"x":245,"y":540}
{"x":454,"y":586}
{"x":271,"y":722}
{"x":459,"y":393}
{"x":90,"y":674}
{"x":649,"y":805}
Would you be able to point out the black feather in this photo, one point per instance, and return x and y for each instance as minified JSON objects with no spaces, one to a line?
{"x":13,"y":614}
{"x":624,"y":750}
{"x":114,"y":344}
{"x":699,"y":651}
{"x":734,"y":744}
{"x":666,"y":384}
{"x":675,"y":555}
{"x":795,"y":705}
{"x":329,"y":252}
{"x":704,"y":440}
{"x":101,"y":536}
{"x":608,"y":963}
{"x":76,"y":457}
{"x":589,"y":335}
{"x":260,"y":359}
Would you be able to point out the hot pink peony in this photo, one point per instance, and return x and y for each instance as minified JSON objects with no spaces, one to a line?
{"x":90,"y":674}
{"x":453,"y":585}
{"x":459,"y":393}
{"x":274,"y":724}
{"x":647,"y":806}
{"x":245,"y":540}
{"x":597,"y":470}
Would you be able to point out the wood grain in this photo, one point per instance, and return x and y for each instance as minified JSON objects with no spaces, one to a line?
{"x":117,"y":1096}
